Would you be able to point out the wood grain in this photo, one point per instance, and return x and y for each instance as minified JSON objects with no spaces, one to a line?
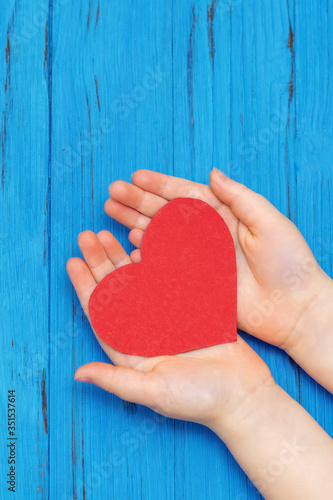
{"x":24,"y":245}
{"x":89,"y":92}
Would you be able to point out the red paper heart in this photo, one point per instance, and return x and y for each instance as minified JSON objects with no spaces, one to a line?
{"x":182,"y":296}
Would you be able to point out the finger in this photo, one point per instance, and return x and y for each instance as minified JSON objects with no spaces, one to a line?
{"x":82,"y":280}
{"x":170,"y":187}
{"x":136,"y":255}
{"x":84,"y":284}
{"x":94,"y":255}
{"x":252,"y":209}
{"x":132,"y":196}
{"x":126,"y":383}
{"x":113,"y":249}
{"x":135,"y":236}
{"x":125,"y":215}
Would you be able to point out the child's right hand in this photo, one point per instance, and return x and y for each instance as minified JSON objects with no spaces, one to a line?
{"x":279,"y":278}
{"x":281,"y":288}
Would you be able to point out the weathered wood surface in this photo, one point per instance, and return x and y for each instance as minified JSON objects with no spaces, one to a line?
{"x":90,"y":91}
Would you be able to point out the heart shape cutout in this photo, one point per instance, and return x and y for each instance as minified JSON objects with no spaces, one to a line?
{"x":182,"y":296}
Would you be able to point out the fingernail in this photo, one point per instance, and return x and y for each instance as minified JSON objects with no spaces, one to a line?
{"x":83,"y":379}
{"x":219,"y":173}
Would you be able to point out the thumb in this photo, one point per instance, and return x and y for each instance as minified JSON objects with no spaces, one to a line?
{"x":251,"y":208}
{"x":126,"y":383}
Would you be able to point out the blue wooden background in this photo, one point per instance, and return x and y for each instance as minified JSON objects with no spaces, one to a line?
{"x":91,"y":90}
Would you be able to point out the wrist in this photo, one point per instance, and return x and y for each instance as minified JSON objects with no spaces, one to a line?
{"x":311,"y":341}
{"x":280,"y":447}
{"x":315,"y":319}
{"x":255,"y":405}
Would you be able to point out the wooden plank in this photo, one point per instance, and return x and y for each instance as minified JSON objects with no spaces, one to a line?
{"x":262,"y":126}
{"x":111,"y":113}
{"x":201,"y":103}
{"x":313,"y":46}
{"x":24,"y":242}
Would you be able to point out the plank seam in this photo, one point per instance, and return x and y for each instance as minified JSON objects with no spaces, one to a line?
{"x":49,"y":85}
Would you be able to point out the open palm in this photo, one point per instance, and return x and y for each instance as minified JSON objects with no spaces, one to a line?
{"x":199,"y":385}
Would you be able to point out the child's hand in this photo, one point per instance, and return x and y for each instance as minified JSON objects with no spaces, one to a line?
{"x":215,"y":383}
{"x":280,"y":284}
